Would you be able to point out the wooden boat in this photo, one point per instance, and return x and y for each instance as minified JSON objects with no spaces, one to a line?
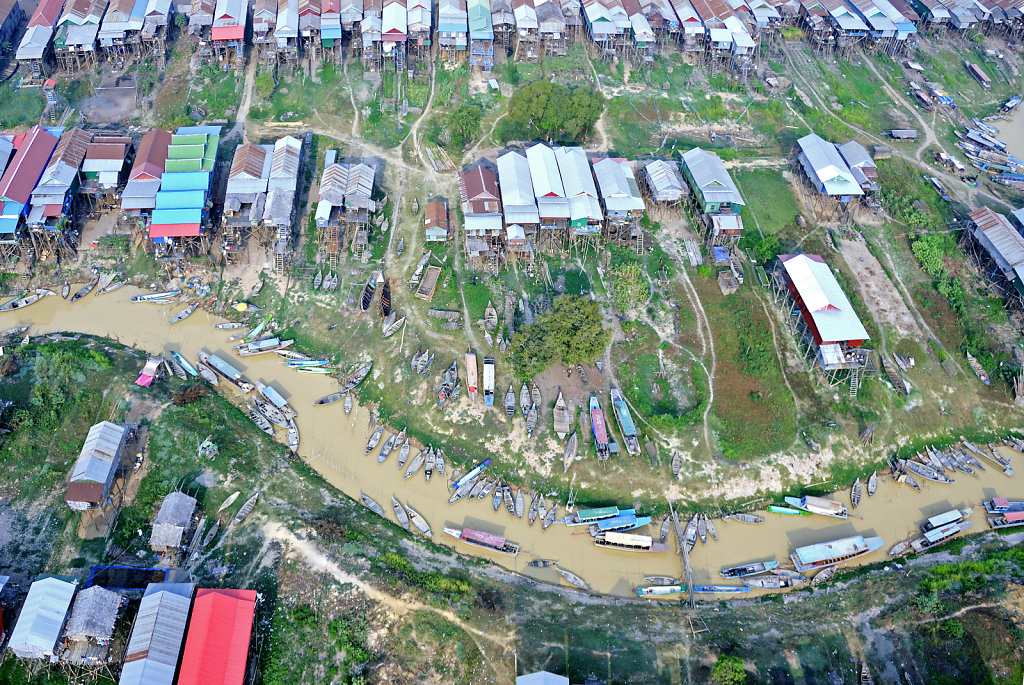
{"x":189,"y":369}
{"x":65,"y":289}
{"x":977,"y":368}
{"x":400,"y":514}
{"x":872,"y":484}
{"x":598,"y":429}
{"x":569,"y":453}
{"x":428,"y":464}
{"x":542,"y":563}
{"x":510,"y":402}
{"x":749,"y":569}
{"x":531,"y":420}
{"x":30,"y":297}
{"x":207,"y":374}
{"x":228,"y":501}
{"x":702,"y":529}
{"x":439,"y":462}
{"x":368,"y":292}
{"x":550,"y":518}
{"x":85,"y":289}
{"x":156,"y":298}
{"x":260,"y":420}
{"x":262,"y":346}
{"x":855,"y":494}
{"x":534,"y":507}
{"x":455,"y":393}
{"x":940,"y":535}
{"x":712,"y":531}
{"x":720,"y":589}
{"x":374,"y":438}
{"x":272,"y":413}
{"x":392,"y":324}
{"x":293,"y":355}
{"x":484,"y":540}
{"x":508,"y":499}
{"x":524,"y":399}
{"x":478,"y":487}
{"x":372,"y":505}
{"x":744,"y":518}
{"x":245,"y":307}
{"x":471,"y":375}
{"x":254,"y":333}
{"x":899,"y":548}
{"x":232,"y":325}
{"x":11,"y":332}
{"x":184,"y":313}
{"x":415,"y":206}
{"x":388,"y":447}
{"x":403,"y":453}
{"x":112,"y":287}
{"x":660,"y":590}
{"x":334,"y":282}
{"x":927,"y":472}
{"x":662,"y":580}
{"x":992,"y":455}
{"x":385,"y":299}
{"x":488,"y":381}
{"x":665,"y":525}
{"x":415,"y":464}
{"x":178,"y":370}
{"x":535,"y":394}
{"x":256,"y":288}
{"x":490,"y":316}
{"x":313,"y":369}
{"x":677,"y":463}
{"x":463,"y":490}
{"x":401,"y":247}
{"x":304,"y":363}
{"x":690,"y":533}
{"x":488,"y":488}
{"x":331,"y":399}
{"x":969,"y":459}
{"x":818,"y":505}
{"x":292,"y":436}
{"x":520,"y":504}
{"x":318,"y":279}
{"x":573,"y":579}
{"x":769,"y":582}
{"x":561,"y":416}
{"x":625,"y":420}
{"x":582,"y":373}
{"x":357,"y":377}
{"x":348,"y":403}
{"x":105,"y":280}
{"x":246,"y":509}
{"x":823,"y":576}
{"x":418,"y":521}
{"x":832,"y":552}
{"x":629,"y":542}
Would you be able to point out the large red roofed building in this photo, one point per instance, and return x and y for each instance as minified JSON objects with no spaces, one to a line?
{"x":219,"y":636}
{"x":824,"y":307}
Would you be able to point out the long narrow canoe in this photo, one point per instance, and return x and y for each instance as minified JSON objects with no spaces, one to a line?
{"x":293,"y":436}
{"x":31,"y":297}
{"x":112,"y":287}
{"x":157,"y":298}
{"x":569,"y":453}
{"x":418,"y":521}
{"x":400,"y":514}
{"x":374,"y":438}
{"x":189,"y":369}
{"x":85,"y":289}
{"x":573,"y":579}
{"x":260,"y":420}
{"x":207,"y":374}
{"x":330,"y":399}
{"x":185,"y":313}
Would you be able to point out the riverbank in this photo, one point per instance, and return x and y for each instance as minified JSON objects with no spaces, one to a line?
{"x":333,"y":444}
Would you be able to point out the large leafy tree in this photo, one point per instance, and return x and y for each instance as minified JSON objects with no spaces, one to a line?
{"x":571,"y":332}
{"x":553,"y":111}
{"x":728,"y":670}
{"x":463,"y":123}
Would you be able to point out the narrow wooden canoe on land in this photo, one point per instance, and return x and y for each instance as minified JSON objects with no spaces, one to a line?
{"x":569,"y":454}
{"x":872,"y":484}
{"x":403,"y":518}
{"x":855,"y":494}
{"x":207,"y":374}
{"x":823,"y":575}
{"x":293,"y":436}
{"x":112,"y":287}
{"x":561,"y":417}
{"x":246,"y":509}
{"x":260,"y":420}
{"x":418,"y":521}
{"x":372,"y":505}
{"x":573,"y":579}
{"x":520,"y":504}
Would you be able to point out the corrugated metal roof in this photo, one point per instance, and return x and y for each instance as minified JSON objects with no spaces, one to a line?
{"x":333,"y":183}
{"x":547,"y":181}
{"x":1001,"y":240}
{"x":230,"y":13}
{"x":190,"y":180}
{"x":855,"y":155}
{"x":824,"y":165}
{"x":248,"y":162}
{"x":287,"y":19}
{"x":140,"y":194}
{"x":217,"y":646}
{"x":359,"y":186}
{"x":46,"y":14}
{"x":617,"y":185}
{"x":394,"y":20}
{"x":286,"y":158}
{"x":33,"y":43}
{"x":823,"y":298}
{"x":575,"y":172}
{"x":710,"y":175}
{"x":435,"y":215}
{"x":151,"y":156}
{"x":27,"y":166}
{"x":186,"y":215}
{"x":155,"y":642}
{"x":182,"y":199}
{"x":97,"y":460}
{"x":665,"y":181}
{"x":516,"y":183}
{"x":42,"y":616}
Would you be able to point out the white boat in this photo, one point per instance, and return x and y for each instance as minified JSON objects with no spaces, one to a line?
{"x":157,"y":298}
{"x":31,"y":297}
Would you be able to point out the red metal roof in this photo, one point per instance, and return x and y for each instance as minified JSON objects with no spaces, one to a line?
{"x":228,"y":32}
{"x":46,"y":13}
{"x":174,"y":230}
{"x":52,"y":210}
{"x":217,"y":646}
{"x":485,"y":538}
{"x":1014,"y":516}
{"x":24,"y":171}
{"x":149,"y":162}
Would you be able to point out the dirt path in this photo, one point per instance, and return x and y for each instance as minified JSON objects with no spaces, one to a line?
{"x":468,"y":157}
{"x":238,"y":128}
{"x":351,"y":98}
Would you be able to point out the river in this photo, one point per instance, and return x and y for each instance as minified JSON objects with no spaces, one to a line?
{"x":1011,"y":132}
{"x":334,"y":445}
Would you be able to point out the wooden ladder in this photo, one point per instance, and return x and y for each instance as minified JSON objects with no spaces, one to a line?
{"x":855,"y":377}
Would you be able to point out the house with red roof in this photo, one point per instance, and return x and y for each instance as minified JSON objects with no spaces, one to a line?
{"x":139,"y":195}
{"x":219,"y":638}
{"x":18,"y":182}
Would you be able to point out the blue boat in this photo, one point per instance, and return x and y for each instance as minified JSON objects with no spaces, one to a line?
{"x":226,"y":370}
{"x":626,"y":520}
{"x":584,"y":517}
{"x":304,"y":363}
{"x":826,"y":554}
{"x":191,"y":370}
{"x":272,"y":395}
{"x":470,"y":475}
{"x":818,"y":505}
{"x":625,"y":419}
{"x":719,"y":589}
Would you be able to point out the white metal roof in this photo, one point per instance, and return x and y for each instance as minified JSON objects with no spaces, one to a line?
{"x":155,"y":642}
{"x":664,"y":180}
{"x":514,"y":180}
{"x":394,"y":18}
{"x":547,"y":181}
{"x":96,"y":462}
{"x":823,"y":163}
{"x":541,"y":678}
{"x":34,"y":42}
{"x":618,"y":186}
{"x":575,"y":171}
{"x":711,"y":178}
{"x":42,"y":617}
{"x":824,"y":299}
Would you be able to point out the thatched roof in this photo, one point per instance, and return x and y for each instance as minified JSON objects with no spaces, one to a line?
{"x":93,"y":615}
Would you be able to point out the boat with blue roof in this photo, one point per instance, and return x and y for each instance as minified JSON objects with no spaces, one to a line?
{"x":825,"y":554}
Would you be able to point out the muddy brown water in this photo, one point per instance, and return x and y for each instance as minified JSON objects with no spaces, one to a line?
{"x":334,"y":444}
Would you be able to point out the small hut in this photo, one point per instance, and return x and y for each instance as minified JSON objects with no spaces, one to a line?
{"x":96,"y":466}
{"x":91,"y":626}
{"x":42,"y":616}
{"x":173,"y":519}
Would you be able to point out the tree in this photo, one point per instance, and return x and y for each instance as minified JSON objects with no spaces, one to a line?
{"x":181,"y":20}
{"x":728,"y":670}
{"x":552,"y":111}
{"x":463,"y":123}
{"x":629,"y":285}
{"x":572,"y":332}
{"x":264,"y":84}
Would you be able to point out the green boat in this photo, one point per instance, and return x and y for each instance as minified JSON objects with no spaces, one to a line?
{"x":789,"y":511}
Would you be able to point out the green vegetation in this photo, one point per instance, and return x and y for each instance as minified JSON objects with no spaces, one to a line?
{"x":463,"y":123}
{"x":20,"y":106}
{"x":629,"y":284}
{"x":305,"y":646}
{"x":572,"y":332}
{"x":551,"y":111}
{"x":728,"y":670}
{"x":264,"y":84}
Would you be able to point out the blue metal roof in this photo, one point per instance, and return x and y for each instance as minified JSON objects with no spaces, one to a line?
{"x":9,"y":224}
{"x":198,"y":130}
{"x":330,"y":33}
{"x":184,"y":199}
{"x":177,"y":216}
{"x":185,"y":180}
